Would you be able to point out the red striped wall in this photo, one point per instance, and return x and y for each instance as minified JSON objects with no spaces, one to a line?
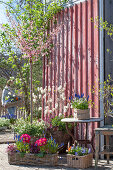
{"x":75,"y":58}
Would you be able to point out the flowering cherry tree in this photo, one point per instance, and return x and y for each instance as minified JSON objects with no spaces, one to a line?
{"x":29,"y":33}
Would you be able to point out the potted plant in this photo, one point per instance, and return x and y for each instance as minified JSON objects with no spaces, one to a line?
{"x":58,"y":130}
{"x":79,"y":157}
{"x":24,"y":152}
{"x":80,"y":105}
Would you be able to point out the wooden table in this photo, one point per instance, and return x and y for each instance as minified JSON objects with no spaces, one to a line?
{"x":106,"y":130}
{"x":73,"y":120}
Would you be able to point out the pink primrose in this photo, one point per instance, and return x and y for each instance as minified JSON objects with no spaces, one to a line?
{"x":25,"y":138}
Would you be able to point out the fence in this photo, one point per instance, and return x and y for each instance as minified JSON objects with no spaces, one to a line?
{"x":20,"y":109}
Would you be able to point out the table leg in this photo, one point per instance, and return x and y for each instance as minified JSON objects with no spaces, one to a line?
{"x":107,"y":144}
{"x":96,"y":149}
{"x":69,"y":132}
{"x":86,"y":137}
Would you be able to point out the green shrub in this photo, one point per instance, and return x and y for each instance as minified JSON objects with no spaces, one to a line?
{"x":25,"y":127}
{"x":56,"y":122}
{"x":4,"y":122}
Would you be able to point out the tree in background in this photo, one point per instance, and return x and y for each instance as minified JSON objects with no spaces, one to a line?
{"x":28,"y":35}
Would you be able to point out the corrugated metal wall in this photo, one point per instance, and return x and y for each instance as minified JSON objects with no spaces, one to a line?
{"x":75,"y":58}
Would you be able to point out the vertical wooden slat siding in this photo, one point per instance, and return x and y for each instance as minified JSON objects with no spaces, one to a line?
{"x":67,"y":52}
{"x":43,"y":85}
{"x":96,"y":63}
{"x":51,"y":67}
{"x":76,"y":48}
{"x":62,"y":54}
{"x":75,"y":58}
{"x":71,"y":46}
{"x":59,"y":62}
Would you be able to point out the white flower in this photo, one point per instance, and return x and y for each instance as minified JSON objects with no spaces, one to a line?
{"x":53,"y":109}
{"x":9,"y":93}
{"x":44,"y":96}
{"x":34,"y":100}
{"x":68,"y":105}
{"x":50,"y":100}
{"x":41,"y":88}
{"x":40,"y":108}
{"x":38,"y":88}
{"x":56,"y":105}
{"x":60,"y":114}
{"x":13,"y":95}
{"x":47,"y":107}
{"x":46,"y":111}
{"x":40,"y":96}
{"x":71,"y":107}
{"x":64,"y":98}
{"x":50,"y":111}
{"x":65,"y":110}
{"x":49,"y":89}
{"x":42,"y":91}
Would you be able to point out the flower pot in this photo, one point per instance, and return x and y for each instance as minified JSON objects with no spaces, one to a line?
{"x":82,"y":114}
{"x":79,"y":161}
{"x":17,"y":158}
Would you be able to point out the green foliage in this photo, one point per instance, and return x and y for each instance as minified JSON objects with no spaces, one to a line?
{"x":80,"y":103}
{"x":52,"y":147}
{"x":4,"y":122}
{"x":56,"y":122}
{"x":25,"y":127}
{"x":23,"y":147}
{"x":2,"y":82}
{"x":79,"y":151}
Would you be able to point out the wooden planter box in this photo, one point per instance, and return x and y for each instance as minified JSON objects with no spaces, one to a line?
{"x":32,"y":159}
{"x":79,"y":161}
{"x":82,"y":114}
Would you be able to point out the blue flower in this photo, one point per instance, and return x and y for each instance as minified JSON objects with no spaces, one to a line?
{"x":76,"y":153}
{"x":89,"y":150}
{"x":51,"y":138}
{"x":17,"y":150}
{"x":87,"y":97}
{"x":69,"y":98}
{"x":83,"y":151}
{"x":81,"y":95}
{"x":75,"y":95}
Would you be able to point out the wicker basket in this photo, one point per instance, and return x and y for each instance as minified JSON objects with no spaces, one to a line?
{"x":82,"y":114}
{"x":13,"y":104}
{"x":32,"y":159}
{"x":79,"y":161}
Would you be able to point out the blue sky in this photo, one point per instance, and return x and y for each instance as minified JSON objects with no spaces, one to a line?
{"x":3,"y":18}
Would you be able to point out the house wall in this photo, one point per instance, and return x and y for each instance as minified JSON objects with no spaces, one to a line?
{"x":108,"y":14}
{"x":75,"y":58}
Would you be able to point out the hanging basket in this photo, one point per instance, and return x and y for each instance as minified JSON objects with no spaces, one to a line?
{"x":17,"y":158}
{"x":82,"y":114}
{"x":79,"y":161}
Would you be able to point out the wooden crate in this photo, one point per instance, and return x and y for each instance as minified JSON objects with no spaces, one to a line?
{"x":32,"y":159}
{"x":79,"y":161}
{"x":82,"y":114}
